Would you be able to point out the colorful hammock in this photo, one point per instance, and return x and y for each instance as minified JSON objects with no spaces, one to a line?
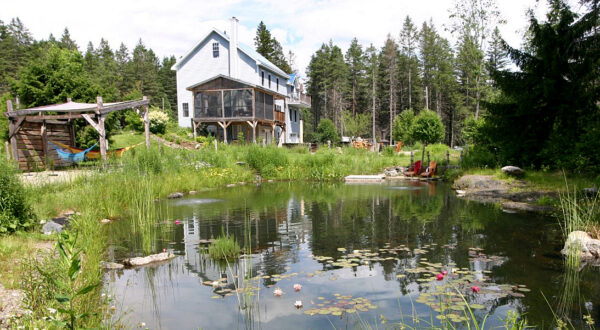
{"x":93,"y":154}
{"x":70,"y":156}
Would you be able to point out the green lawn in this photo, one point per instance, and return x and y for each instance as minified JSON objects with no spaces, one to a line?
{"x":125,"y":139}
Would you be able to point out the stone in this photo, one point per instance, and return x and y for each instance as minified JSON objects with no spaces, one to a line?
{"x":582,"y":242}
{"x":51,"y":227}
{"x":192,"y":192}
{"x":593,"y":191}
{"x":520,"y":206}
{"x":175,"y":195}
{"x":390,"y":172}
{"x":460,"y":193}
{"x":112,"y":265}
{"x":198,"y":146}
{"x":240,"y":163}
{"x":513,"y":170}
{"x":141,"y":261}
{"x":105,"y":221}
{"x":230,"y":185}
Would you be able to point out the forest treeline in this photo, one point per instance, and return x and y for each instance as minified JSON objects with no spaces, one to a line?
{"x":47,"y":71}
{"x":532,"y":105}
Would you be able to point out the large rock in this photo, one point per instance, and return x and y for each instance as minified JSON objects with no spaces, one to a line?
{"x":141,"y":261}
{"x":175,"y":195}
{"x":513,"y":170}
{"x":391,"y":172}
{"x":480,"y":182}
{"x":579,"y":241}
{"x":51,"y":227}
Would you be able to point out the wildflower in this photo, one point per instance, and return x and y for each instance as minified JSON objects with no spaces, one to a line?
{"x":444,"y":272}
{"x":297,"y":287}
{"x":103,"y":295}
{"x":51,"y":310}
{"x":475,"y":289}
{"x":141,"y":325}
{"x":439,"y":277}
{"x":277,"y":292}
{"x":177,"y":222}
{"x":298,"y":304}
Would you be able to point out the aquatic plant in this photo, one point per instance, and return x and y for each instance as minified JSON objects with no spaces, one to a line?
{"x":224,"y":248}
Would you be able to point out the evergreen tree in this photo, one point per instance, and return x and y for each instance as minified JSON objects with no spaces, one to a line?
{"x":550,"y":106}
{"x":409,"y":64}
{"x":317,"y":83}
{"x":168,"y":80}
{"x":497,"y":55}
{"x":143,"y":72}
{"x":66,"y":41}
{"x":372,"y":73}
{"x":270,"y":48}
{"x":16,"y":48}
{"x":388,"y":69}
{"x":355,"y":61}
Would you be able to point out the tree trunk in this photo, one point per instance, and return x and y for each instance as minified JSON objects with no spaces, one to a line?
{"x":391,"y":109}
{"x":373,"y":137}
{"x":477,"y":95}
{"x":409,"y":86}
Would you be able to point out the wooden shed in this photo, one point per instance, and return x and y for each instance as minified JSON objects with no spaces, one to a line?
{"x":31,"y":129}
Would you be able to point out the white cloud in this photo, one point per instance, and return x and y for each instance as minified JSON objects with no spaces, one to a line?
{"x":173,"y":27}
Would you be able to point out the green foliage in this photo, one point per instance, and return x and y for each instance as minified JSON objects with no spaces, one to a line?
{"x":15,"y":211}
{"x":270,"y":48}
{"x":240,"y":137}
{"x":3,"y":120}
{"x":548,"y":111}
{"x":53,"y":77}
{"x":133,"y":121}
{"x":403,"y":125}
{"x":358,"y":124}
{"x":479,"y":156}
{"x":473,"y":131}
{"x":69,"y":287}
{"x":224,"y":248}
{"x":266,"y":159}
{"x":428,"y":128}
{"x":326,"y":131}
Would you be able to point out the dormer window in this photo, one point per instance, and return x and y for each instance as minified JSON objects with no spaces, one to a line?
{"x":215,"y":49}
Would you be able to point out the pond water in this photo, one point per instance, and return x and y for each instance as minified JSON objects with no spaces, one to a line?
{"x":363,"y":254}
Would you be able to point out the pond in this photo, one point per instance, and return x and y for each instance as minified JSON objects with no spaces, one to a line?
{"x":364,"y":256}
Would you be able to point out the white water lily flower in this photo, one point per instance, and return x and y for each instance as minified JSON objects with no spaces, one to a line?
{"x":215,"y":284}
{"x":298,"y":304}
{"x":277,"y":292}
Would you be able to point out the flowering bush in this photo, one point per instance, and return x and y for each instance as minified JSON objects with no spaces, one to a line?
{"x":158,"y":121}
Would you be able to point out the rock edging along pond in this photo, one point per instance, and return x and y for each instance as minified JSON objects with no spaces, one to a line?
{"x":582,"y":243}
{"x":513,"y":195}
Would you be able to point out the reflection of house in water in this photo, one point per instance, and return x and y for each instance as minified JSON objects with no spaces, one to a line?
{"x":275,"y":237}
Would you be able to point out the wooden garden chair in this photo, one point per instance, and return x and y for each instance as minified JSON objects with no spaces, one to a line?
{"x":430,"y":170}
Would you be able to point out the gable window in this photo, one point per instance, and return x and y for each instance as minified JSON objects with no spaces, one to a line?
{"x":269,"y":81}
{"x":186,"y":109}
{"x":277,"y":84}
{"x":262,"y":75}
{"x":215,"y":49}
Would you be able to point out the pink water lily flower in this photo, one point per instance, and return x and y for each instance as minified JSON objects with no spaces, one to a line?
{"x":298,"y":304}
{"x":177,"y":222}
{"x":277,"y":292}
{"x":439,"y":277}
{"x":475,"y":289}
{"x":444,"y":272}
{"x":297,"y":287}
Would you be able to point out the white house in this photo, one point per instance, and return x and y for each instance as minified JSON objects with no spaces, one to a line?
{"x":233,"y":89}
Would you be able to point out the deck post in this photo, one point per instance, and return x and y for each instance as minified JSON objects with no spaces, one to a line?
{"x":100,"y":128}
{"x":44,"y":134}
{"x":12,"y":132}
{"x":273,"y":131}
{"x":253,"y":125}
{"x":193,"y":128}
{"x":146,"y":124}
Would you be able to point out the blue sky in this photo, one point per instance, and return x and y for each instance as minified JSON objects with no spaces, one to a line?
{"x":173,"y":27}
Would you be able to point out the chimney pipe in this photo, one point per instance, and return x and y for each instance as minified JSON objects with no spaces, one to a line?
{"x":233,"y":49}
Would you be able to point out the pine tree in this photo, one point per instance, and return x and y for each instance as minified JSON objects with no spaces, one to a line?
{"x":372,"y":73}
{"x":66,"y":41}
{"x":16,"y":49}
{"x":270,"y":48}
{"x":389,"y":74}
{"x":355,"y":61}
{"x":409,"y":40}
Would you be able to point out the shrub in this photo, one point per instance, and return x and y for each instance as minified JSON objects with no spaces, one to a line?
{"x":158,"y":121}
{"x":224,"y":247}
{"x":15,"y":212}
{"x":133,"y":121}
{"x":258,"y":157}
{"x":402,"y":128}
{"x":428,"y":128}
{"x":326,"y":131}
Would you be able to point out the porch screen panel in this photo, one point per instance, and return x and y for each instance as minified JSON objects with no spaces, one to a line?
{"x":268,"y":106}
{"x":211,"y":104}
{"x":241,"y":103}
{"x":198,"y":105}
{"x":260,"y":105}
{"x":247,"y":102}
{"x":227,"y":98}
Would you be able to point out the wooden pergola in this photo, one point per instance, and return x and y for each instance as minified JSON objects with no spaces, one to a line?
{"x":30,"y":129}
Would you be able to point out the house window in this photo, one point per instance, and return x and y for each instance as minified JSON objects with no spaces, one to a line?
{"x":277,"y":84}
{"x":215,"y":49}
{"x":295,"y":115}
{"x":269,"y":81}
{"x":262,"y":74}
{"x":186,"y":110}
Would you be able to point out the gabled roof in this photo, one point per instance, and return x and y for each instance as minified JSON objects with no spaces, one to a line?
{"x":250,"y":85}
{"x":260,"y":60}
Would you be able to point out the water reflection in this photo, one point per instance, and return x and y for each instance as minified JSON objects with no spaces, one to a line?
{"x":286,"y":225}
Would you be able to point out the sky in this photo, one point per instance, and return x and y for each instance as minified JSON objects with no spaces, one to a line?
{"x":173,"y":27}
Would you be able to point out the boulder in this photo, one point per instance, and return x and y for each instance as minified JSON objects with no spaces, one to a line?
{"x":105,"y":221}
{"x":513,"y":170}
{"x":582,"y":242}
{"x":520,"y":206}
{"x":112,"y":265}
{"x":51,"y":227}
{"x":175,"y":195}
{"x":390,"y":172}
{"x":192,"y":192}
{"x":141,"y":261}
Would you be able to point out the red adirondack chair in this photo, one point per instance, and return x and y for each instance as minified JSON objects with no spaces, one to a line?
{"x":416,"y":170}
{"x":430,"y":171}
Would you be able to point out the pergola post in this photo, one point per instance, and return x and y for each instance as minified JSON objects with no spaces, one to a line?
{"x":146,"y":124}
{"x":12,"y":132}
{"x":273,"y":125}
{"x":44,"y":134}
{"x":193,"y":128}
{"x":100,"y":129}
{"x":7,"y":147}
{"x":224,"y":125}
{"x":253,"y":124}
